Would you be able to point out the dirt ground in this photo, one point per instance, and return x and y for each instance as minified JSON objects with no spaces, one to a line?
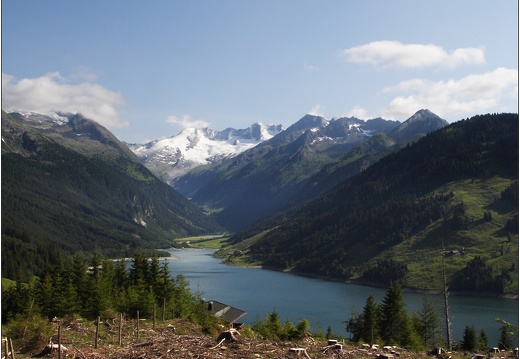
{"x":183,"y":340}
{"x":170,"y":345}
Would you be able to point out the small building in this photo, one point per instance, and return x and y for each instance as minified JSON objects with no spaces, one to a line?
{"x":227,"y":312}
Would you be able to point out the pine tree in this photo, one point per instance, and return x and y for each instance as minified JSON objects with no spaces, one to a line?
{"x":507,"y":333}
{"x":165,"y":288}
{"x":45,"y":296}
{"x":482,"y":340}
{"x":393,"y":315}
{"x":121,"y":277}
{"x":153,"y":277}
{"x":370,"y":321}
{"x":139,"y":269}
{"x":328,"y":335}
{"x":182,"y":297}
{"x":429,"y":323}
{"x":469,"y":339}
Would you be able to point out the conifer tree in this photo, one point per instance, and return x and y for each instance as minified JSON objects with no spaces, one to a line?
{"x":429,"y":323}
{"x":166,"y":285}
{"x":139,"y":269}
{"x":469,"y":339}
{"x":182,"y":297}
{"x":153,"y":273}
{"x":45,"y":296}
{"x":79,"y":277}
{"x":369,"y":321}
{"x":482,"y":339}
{"x":507,"y":332}
{"x":393,"y":315}
{"x":121,"y":276}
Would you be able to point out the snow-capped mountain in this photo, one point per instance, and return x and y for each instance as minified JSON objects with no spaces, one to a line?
{"x":286,"y":170}
{"x":172,"y":157}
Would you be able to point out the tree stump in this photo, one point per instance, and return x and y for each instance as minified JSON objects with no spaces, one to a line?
{"x":50,"y":348}
{"x":229,"y":335}
{"x":299,"y":352}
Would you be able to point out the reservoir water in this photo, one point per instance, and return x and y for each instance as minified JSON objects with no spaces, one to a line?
{"x":323,"y":303}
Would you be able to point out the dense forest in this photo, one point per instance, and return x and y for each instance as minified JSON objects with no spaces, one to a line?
{"x":422,"y":189}
{"x":76,"y":287}
{"x":389,"y":322}
{"x":65,"y":193}
{"x":103,"y":287}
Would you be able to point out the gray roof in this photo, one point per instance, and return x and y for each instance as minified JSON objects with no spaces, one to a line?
{"x":225,"y":311}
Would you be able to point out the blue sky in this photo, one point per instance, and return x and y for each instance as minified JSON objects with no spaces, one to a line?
{"x":146,"y":69}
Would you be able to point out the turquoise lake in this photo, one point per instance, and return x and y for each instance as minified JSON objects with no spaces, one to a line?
{"x":323,"y":303}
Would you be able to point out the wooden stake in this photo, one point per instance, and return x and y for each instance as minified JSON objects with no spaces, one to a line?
{"x":12,"y":348}
{"x":163,"y":308}
{"x":59,"y":341}
{"x":120,"y":327}
{"x":137,"y":324}
{"x":445,"y":294}
{"x":97,"y":333}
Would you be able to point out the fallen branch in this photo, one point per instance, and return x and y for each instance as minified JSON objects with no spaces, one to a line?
{"x":79,"y":351}
{"x":219,"y":343}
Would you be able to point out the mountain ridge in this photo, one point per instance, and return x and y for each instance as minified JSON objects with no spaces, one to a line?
{"x":174,"y":156}
{"x":70,"y":186}
{"x":268,"y":177}
{"x":455,"y":191}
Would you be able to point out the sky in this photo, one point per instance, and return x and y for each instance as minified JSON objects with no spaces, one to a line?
{"x":148,"y":69}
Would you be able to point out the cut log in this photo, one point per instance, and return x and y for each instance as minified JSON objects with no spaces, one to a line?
{"x":299,"y":352}
{"x":229,"y":335}
{"x":50,"y":348}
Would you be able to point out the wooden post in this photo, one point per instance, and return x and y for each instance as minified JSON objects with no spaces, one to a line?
{"x":163,"y":308}
{"x":445,"y":296}
{"x":59,"y":341}
{"x":6,"y":347}
{"x":120,"y":327}
{"x":137,"y":324}
{"x":97,"y":333}
{"x":154,"y":312}
{"x":12,"y":348}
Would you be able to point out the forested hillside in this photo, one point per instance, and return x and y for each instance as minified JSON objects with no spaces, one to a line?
{"x":74,"y":188}
{"x":455,"y":192}
{"x":299,"y":163}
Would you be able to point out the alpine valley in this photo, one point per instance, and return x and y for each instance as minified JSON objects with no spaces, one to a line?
{"x":70,"y":186}
{"x":245,"y":175}
{"x":372,"y":201}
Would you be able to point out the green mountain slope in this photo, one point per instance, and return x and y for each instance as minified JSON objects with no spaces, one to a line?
{"x":74,"y":187}
{"x":455,"y":190}
{"x":355,"y":161}
{"x":305,"y":160}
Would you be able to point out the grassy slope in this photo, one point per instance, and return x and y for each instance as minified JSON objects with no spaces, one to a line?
{"x":422,"y":252}
{"x":484,"y":239}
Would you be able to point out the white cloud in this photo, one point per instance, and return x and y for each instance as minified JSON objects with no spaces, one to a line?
{"x":186,"y":121}
{"x":487,"y":92}
{"x":397,"y":54}
{"x":52,"y":92}
{"x":358,"y":112}
{"x":316,"y":110}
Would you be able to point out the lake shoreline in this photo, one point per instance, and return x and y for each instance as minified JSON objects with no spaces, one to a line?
{"x":377,"y":285}
{"x":358,"y":282}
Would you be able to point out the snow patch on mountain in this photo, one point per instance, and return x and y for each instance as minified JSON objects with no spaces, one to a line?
{"x":174,"y":156}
